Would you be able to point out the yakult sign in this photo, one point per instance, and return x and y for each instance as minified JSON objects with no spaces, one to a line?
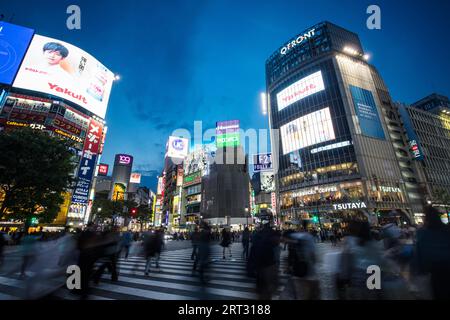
{"x":297,"y":41}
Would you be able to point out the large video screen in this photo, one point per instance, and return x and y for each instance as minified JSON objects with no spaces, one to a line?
{"x":63,"y":70}
{"x":300,"y":89}
{"x":311,"y":129}
{"x":14,"y":41}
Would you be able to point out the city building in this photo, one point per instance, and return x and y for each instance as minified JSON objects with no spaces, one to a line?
{"x":427,"y":124}
{"x":226,"y":190}
{"x":43,"y":95}
{"x":332,"y":147}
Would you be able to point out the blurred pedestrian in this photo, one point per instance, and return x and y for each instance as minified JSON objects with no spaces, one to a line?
{"x":432,"y":254}
{"x":28,"y":252}
{"x":264,"y":249}
{"x":108,"y":251}
{"x":127,"y":238}
{"x":245,"y":242}
{"x":153,"y":244}
{"x":195,"y":240}
{"x":202,"y":258}
{"x":226,"y":241}
{"x":87,"y":247}
{"x":303,"y":283}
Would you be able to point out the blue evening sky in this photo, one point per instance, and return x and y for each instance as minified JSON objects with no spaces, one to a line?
{"x":186,"y":60}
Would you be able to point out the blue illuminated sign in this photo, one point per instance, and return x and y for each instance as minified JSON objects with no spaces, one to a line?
{"x":413,"y":140}
{"x":14,"y":41}
{"x":367,"y":113}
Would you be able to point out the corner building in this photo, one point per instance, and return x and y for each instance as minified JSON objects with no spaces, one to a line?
{"x":331,"y":144}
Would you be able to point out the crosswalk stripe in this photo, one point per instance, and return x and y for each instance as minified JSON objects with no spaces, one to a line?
{"x":188,"y":278}
{"x":185,"y":287}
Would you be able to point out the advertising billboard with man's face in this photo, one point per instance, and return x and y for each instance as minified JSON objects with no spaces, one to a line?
{"x":63,"y":70}
{"x":14,"y":41}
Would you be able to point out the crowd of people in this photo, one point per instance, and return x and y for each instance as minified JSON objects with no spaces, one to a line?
{"x":413,"y":263}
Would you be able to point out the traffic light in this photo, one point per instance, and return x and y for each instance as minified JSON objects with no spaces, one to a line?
{"x":34,"y":221}
{"x":315,"y":219}
{"x":133,"y":212}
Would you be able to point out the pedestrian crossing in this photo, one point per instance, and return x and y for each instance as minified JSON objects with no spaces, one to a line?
{"x":226,"y":279}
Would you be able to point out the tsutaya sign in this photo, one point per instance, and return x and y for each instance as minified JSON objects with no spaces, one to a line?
{"x":297,"y":41}
{"x":350,"y":205}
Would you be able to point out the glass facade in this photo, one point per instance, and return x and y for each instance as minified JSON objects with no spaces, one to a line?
{"x":329,"y":161}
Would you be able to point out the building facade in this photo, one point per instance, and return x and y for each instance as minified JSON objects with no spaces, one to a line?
{"x":428,"y":134}
{"x":331,"y":145}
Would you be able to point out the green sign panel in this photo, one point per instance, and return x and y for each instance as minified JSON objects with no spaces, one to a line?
{"x":193,"y":178}
{"x":228,"y":140}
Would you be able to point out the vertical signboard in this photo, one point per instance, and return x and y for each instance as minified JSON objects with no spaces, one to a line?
{"x":413,"y":140}
{"x":262,"y":162}
{"x":87,"y":166}
{"x":366,"y":110}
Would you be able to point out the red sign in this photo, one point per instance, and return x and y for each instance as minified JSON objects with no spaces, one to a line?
{"x":93,"y":137}
{"x":35,"y":118}
{"x":103,"y":169}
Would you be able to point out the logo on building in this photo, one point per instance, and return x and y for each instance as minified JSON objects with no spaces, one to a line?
{"x":349,"y":205}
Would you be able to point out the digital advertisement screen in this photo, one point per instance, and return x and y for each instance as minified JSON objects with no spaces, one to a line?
{"x":262,"y":162}
{"x":300,"y":89}
{"x":267,"y":181}
{"x":103,"y":169}
{"x":177,"y":147}
{"x":227,"y":133}
{"x":14,"y":41}
{"x":135,"y":178}
{"x":367,"y":113}
{"x":58,"y":68}
{"x":311,"y":129}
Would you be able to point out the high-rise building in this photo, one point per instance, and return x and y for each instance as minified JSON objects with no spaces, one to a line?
{"x":427,"y":124}
{"x":332,"y":146}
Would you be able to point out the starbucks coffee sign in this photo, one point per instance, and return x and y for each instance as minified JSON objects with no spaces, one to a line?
{"x":349,"y":206}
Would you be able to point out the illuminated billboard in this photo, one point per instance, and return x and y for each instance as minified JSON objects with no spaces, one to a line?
{"x":177,"y":147}
{"x":123,"y":159}
{"x":227,"y":133}
{"x":14,"y":41}
{"x":267,"y":181}
{"x":262,"y":162}
{"x":300,"y":89}
{"x":366,"y":110}
{"x":103,"y":169}
{"x":199,"y":160}
{"x":63,"y":70}
{"x":311,"y":129}
{"x":135,"y":177}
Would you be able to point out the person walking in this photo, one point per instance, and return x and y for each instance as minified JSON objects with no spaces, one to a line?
{"x":245,"y":242}
{"x":264,"y":251}
{"x":226,"y":241}
{"x":203,"y":251}
{"x":153,"y":244}
{"x":194,"y":240}
{"x":127,"y":239}
{"x":432,"y":254}
{"x":109,"y":249}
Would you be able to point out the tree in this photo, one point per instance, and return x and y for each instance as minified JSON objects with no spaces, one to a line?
{"x":143,"y":215}
{"x":35,"y":169}
{"x":110,"y":209}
